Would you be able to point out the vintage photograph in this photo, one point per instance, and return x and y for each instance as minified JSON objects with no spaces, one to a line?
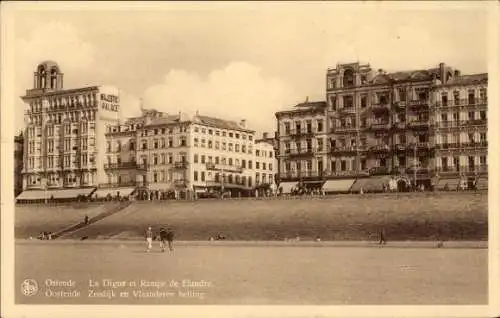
{"x":295,"y":153}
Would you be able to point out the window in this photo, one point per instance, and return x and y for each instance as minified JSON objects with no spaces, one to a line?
{"x":243,"y":148}
{"x":402,"y":94}
{"x":144,"y":145}
{"x":195,"y":176}
{"x":287,"y":128}
{"x":471,"y":97}
{"x":363,"y":102}
{"x":348,"y":78}
{"x":257,"y":153}
{"x":482,"y":136}
{"x":264,"y":166}
{"x":216,"y":160}
{"x":482,"y":94}
{"x":320,"y":125}
{"x":250,"y":164}
{"x":444,"y":99}
{"x":217,"y":145}
{"x":210,"y":132}
{"x":482,"y":115}
{"x":444,"y":117}
{"x":309,"y":126}
{"x":456,"y":97}
{"x":243,"y":164}
{"x":230,"y":135}
{"x":202,"y":158}
{"x":270,"y":167}
{"x":482,"y":160}
{"x":132,"y":145}
{"x":257,"y":165}
{"x":237,"y":147}
{"x":170,"y":142}
{"x":156,"y":144}
{"x":210,"y":144}
{"x":348,"y":102}
{"x":203,"y":176}
{"x":471,"y":115}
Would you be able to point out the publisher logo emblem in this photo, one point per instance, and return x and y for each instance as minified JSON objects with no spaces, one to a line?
{"x":29,"y":287}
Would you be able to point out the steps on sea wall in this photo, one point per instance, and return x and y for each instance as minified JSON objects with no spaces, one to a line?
{"x":97,"y":218}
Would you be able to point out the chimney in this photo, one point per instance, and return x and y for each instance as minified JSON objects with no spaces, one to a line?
{"x":243,"y":123}
{"x":442,"y":73}
{"x":264,"y":135}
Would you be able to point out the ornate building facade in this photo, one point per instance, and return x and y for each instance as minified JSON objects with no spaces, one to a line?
{"x":384,"y":126}
{"x":18,"y":163}
{"x":64,"y":135}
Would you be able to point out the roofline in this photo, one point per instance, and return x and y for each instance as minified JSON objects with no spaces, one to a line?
{"x":59,"y":92}
{"x":218,"y":127}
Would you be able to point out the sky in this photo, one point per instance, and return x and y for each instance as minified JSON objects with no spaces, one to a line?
{"x":238,"y":61}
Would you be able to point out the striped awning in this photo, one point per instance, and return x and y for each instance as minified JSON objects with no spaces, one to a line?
{"x":286,"y":187}
{"x":343,"y":185}
{"x":56,"y":194}
{"x":124,"y":192}
{"x":372,"y":184}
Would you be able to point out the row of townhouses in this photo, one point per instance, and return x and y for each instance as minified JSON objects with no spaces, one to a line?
{"x":375,"y":131}
{"x":425,"y":128}
{"x":75,"y":144}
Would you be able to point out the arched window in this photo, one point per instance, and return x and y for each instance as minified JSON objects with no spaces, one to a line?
{"x":41,"y":77}
{"x":53,"y":78}
{"x":348,"y":79}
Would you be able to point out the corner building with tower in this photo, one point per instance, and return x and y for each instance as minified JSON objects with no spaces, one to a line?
{"x":63,"y":135}
{"x":387,"y":132}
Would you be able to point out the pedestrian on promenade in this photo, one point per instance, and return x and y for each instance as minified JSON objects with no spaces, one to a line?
{"x":170,"y":239}
{"x":163,"y":239}
{"x":382,"y":237}
{"x":149,"y":239}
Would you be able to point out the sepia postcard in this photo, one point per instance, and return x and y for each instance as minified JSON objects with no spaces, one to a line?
{"x":250,"y":159}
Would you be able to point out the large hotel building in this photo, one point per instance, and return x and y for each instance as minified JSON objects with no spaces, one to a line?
{"x":387,"y":131}
{"x":75,"y":144}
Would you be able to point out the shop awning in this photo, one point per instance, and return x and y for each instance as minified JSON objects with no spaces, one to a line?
{"x":343,"y":185}
{"x":372,"y":184}
{"x":56,"y":194}
{"x":286,"y":187}
{"x":124,"y":192}
{"x":448,"y":184}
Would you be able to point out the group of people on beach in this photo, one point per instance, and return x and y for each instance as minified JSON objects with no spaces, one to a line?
{"x":166,"y":238}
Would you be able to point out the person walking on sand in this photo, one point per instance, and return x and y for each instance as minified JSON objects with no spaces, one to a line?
{"x":163,"y":239}
{"x":149,"y":238}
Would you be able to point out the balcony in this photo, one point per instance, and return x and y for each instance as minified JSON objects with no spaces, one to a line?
{"x":344,"y":149}
{"x":419,"y":146}
{"x":301,"y":133}
{"x":383,"y":148}
{"x":343,"y":129}
{"x":418,"y":103}
{"x":181,"y":165}
{"x":419,"y":124}
{"x":118,"y":185}
{"x":448,"y":124}
{"x":458,"y":170}
{"x":226,"y":184}
{"x":474,"y":122}
{"x":120,"y":165}
{"x":463,"y":102}
{"x":302,"y":152}
{"x":346,"y":174}
{"x":399,"y":125}
{"x":469,"y":145}
{"x":300,"y":174}
{"x":399,"y":105}
{"x":377,"y":171}
{"x":347,"y":110}
{"x":379,"y":126}
{"x":400,"y":147}
{"x":223,"y":168}
{"x":376,"y":108}
{"x":180,"y":183}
